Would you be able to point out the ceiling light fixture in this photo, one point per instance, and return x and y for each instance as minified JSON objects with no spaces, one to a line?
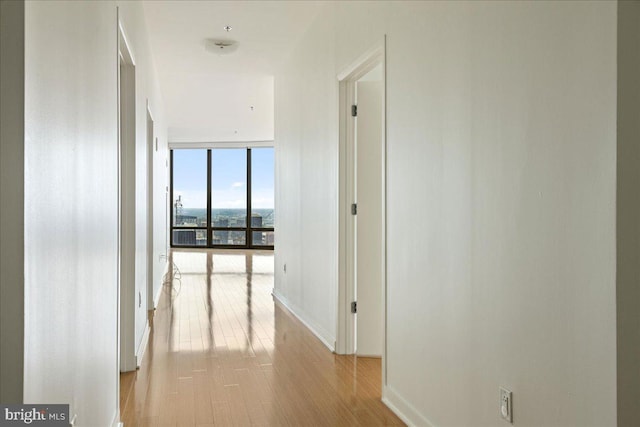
{"x":221,"y":46}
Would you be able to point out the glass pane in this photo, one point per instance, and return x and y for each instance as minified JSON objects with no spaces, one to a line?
{"x":229,"y":237}
{"x":262,"y":187}
{"x":263,"y":238}
{"x":189,"y":188}
{"x":189,"y":237}
{"x":229,"y":189}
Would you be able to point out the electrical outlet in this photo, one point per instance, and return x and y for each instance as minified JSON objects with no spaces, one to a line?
{"x":506,"y":405}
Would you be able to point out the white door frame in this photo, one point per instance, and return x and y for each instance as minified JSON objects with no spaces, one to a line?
{"x":345,"y":335}
{"x":152,"y":147}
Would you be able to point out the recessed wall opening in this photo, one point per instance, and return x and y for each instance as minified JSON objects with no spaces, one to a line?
{"x":127,"y":208}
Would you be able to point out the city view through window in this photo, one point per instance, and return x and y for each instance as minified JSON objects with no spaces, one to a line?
{"x":214,"y":190}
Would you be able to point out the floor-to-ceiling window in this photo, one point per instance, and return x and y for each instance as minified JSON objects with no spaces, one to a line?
{"x":262,"y":196}
{"x":222,"y":197}
{"x":229,"y":196}
{"x":189,"y":188}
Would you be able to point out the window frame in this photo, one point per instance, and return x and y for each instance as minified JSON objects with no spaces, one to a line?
{"x":248,"y":229}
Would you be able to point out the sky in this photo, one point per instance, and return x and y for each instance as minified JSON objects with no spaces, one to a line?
{"x":229,"y":172}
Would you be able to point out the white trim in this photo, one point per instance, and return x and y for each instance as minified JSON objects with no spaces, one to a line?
{"x":369,"y":356}
{"x":116,"y":417}
{"x":115,"y":422}
{"x":319,"y":332}
{"x":130,"y":57}
{"x":403,"y":409}
{"x":149,"y":110}
{"x":366,"y":61}
{"x":142,"y":347}
{"x":385,"y":179}
{"x":221,"y":144}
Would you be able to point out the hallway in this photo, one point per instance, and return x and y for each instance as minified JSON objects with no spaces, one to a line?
{"x":221,"y":352}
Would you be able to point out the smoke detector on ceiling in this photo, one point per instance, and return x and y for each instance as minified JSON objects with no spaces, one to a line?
{"x":221,"y":46}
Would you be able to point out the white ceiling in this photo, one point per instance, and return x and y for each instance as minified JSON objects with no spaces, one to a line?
{"x":206,"y":95}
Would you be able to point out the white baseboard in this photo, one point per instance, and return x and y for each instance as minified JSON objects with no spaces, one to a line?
{"x":319,"y":332}
{"x":370,"y":356}
{"x":143,"y":344}
{"x":403,"y":409}
{"x":115,"y":422}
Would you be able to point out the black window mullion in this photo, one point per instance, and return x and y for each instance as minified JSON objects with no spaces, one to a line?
{"x":249,"y":238}
{"x":209,"y":189}
{"x":170,"y":198}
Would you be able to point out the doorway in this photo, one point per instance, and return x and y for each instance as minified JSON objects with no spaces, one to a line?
{"x":362,"y":223}
{"x":368,"y":217}
{"x":126,"y":201}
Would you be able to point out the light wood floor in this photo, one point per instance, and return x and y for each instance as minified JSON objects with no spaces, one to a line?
{"x":221,"y":352}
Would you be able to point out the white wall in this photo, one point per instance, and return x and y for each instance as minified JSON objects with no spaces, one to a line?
{"x":502,"y":141}
{"x":71,"y":200}
{"x":147,"y":89}
{"x":306,"y":182}
{"x":71,"y":207}
{"x":12,"y":200}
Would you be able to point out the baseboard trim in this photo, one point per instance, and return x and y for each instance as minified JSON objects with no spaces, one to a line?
{"x":115,"y":422}
{"x":403,"y":409}
{"x":143,"y":344}
{"x":370,"y":356}
{"x":315,"y":330}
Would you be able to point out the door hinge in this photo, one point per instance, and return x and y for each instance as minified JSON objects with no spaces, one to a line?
{"x":354,"y":307}
{"x":354,"y":111}
{"x":354,"y":209}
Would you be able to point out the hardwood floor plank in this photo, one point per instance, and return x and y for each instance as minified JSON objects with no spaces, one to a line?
{"x":222,"y":353}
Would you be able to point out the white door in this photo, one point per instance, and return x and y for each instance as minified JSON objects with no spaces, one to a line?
{"x":369,"y":227}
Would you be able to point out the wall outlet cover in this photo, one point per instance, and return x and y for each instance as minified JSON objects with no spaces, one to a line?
{"x":506,"y":405}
